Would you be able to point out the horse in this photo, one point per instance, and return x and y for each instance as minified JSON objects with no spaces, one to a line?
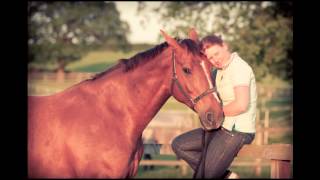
{"x":93,"y":129}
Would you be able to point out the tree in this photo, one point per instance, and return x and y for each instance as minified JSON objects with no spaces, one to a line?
{"x":260,"y":31}
{"x":62,"y":32}
{"x":265,"y":40}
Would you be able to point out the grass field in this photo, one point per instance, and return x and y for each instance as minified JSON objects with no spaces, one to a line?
{"x":175,"y":172}
{"x":98,"y":61}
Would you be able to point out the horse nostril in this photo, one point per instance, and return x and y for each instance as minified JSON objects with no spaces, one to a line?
{"x":209,"y":116}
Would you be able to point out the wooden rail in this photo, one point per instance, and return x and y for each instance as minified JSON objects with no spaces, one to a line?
{"x":280,"y":156}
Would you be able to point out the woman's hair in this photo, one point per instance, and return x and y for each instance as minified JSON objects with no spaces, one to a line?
{"x":211,"y":40}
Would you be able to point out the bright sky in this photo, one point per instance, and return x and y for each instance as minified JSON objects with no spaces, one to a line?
{"x":140,"y":34}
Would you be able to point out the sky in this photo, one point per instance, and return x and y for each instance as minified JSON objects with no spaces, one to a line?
{"x":140,"y":34}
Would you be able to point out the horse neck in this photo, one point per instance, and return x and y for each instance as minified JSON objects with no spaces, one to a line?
{"x":140,"y":92}
{"x":149,"y":88}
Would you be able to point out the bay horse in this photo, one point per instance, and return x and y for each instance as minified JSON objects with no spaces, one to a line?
{"x":94,"y":128}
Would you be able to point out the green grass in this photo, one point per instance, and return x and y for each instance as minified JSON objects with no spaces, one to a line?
{"x":280,"y":114}
{"x":166,"y":172}
{"x":92,"y":61}
{"x":278,"y":117}
{"x":98,"y":67}
{"x":162,"y":172}
{"x":164,"y":157}
{"x":97,"y":61}
{"x":286,"y":138}
{"x":249,"y":172}
{"x":173,"y":104}
{"x":279,"y":101}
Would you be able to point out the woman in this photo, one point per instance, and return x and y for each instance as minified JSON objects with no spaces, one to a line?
{"x":235,"y":83}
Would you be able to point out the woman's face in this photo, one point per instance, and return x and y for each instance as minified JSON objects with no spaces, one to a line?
{"x":217,"y":55}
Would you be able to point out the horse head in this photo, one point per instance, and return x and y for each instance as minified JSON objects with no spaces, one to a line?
{"x":191,"y":83}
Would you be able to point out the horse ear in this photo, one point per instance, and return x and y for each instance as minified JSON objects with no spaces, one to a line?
{"x":172,"y":42}
{"x":193,"y":35}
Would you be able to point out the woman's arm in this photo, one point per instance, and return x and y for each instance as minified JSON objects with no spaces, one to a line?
{"x":240,"y":104}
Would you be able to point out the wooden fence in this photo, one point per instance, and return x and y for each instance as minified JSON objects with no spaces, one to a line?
{"x":277,"y":156}
{"x":280,"y":156}
{"x":71,"y":78}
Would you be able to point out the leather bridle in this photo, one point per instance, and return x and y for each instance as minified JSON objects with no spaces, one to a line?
{"x":194,"y":102}
{"x":186,"y":95}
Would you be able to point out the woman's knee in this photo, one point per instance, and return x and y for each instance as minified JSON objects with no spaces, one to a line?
{"x":187,"y":140}
{"x":176,"y":144}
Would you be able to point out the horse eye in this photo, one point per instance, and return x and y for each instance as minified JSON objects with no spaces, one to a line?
{"x":186,"y":70}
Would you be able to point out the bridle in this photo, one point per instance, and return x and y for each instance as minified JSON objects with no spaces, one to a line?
{"x":194,"y":102}
{"x":176,"y":81}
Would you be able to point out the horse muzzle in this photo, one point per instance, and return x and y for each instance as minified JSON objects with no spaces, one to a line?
{"x":210,"y":121}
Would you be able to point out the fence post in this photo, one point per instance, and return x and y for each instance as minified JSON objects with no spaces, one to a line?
{"x":60,"y":76}
{"x":269,"y":94}
{"x":258,"y":117}
{"x":280,"y":169}
{"x":266,"y":126}
{"x":45,"y":77}
{"x":184,"y":169}
{"x":258,"y":141}
{"x":195,"y":120}
{"x":291,"y":115}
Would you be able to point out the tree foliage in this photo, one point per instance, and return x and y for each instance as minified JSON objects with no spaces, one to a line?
{"x":62,"y":32}
{"x":260,"y":31}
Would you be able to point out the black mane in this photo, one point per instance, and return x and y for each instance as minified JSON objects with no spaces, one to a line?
{"x":133,"y":62}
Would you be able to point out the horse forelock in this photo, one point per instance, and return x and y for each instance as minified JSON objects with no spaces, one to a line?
{"x":191,"y":46}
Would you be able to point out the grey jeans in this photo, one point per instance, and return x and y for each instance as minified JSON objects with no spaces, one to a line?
{"x":222,"y":149}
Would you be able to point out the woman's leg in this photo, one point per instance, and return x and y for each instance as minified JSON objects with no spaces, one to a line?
{"x":188,"y":146}
{"x":222,"y":149}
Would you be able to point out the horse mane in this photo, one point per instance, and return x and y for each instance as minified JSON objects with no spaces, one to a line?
{"x":142,"y":57}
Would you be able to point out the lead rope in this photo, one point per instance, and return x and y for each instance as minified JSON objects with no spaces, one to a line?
{"x":204,"y":145}
{"x":202,"y":157}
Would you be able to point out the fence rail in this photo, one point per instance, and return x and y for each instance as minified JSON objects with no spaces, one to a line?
{"x":280,"y":156}
{"x":52,"y":76}
{"x":264,"y":154}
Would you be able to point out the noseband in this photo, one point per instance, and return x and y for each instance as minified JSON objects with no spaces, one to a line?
{"x":176,"y":81}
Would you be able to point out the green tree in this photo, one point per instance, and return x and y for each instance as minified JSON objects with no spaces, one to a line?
{"x":260,"y":31}
{"x":264,"y":39}
{"x":62,"y":32}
